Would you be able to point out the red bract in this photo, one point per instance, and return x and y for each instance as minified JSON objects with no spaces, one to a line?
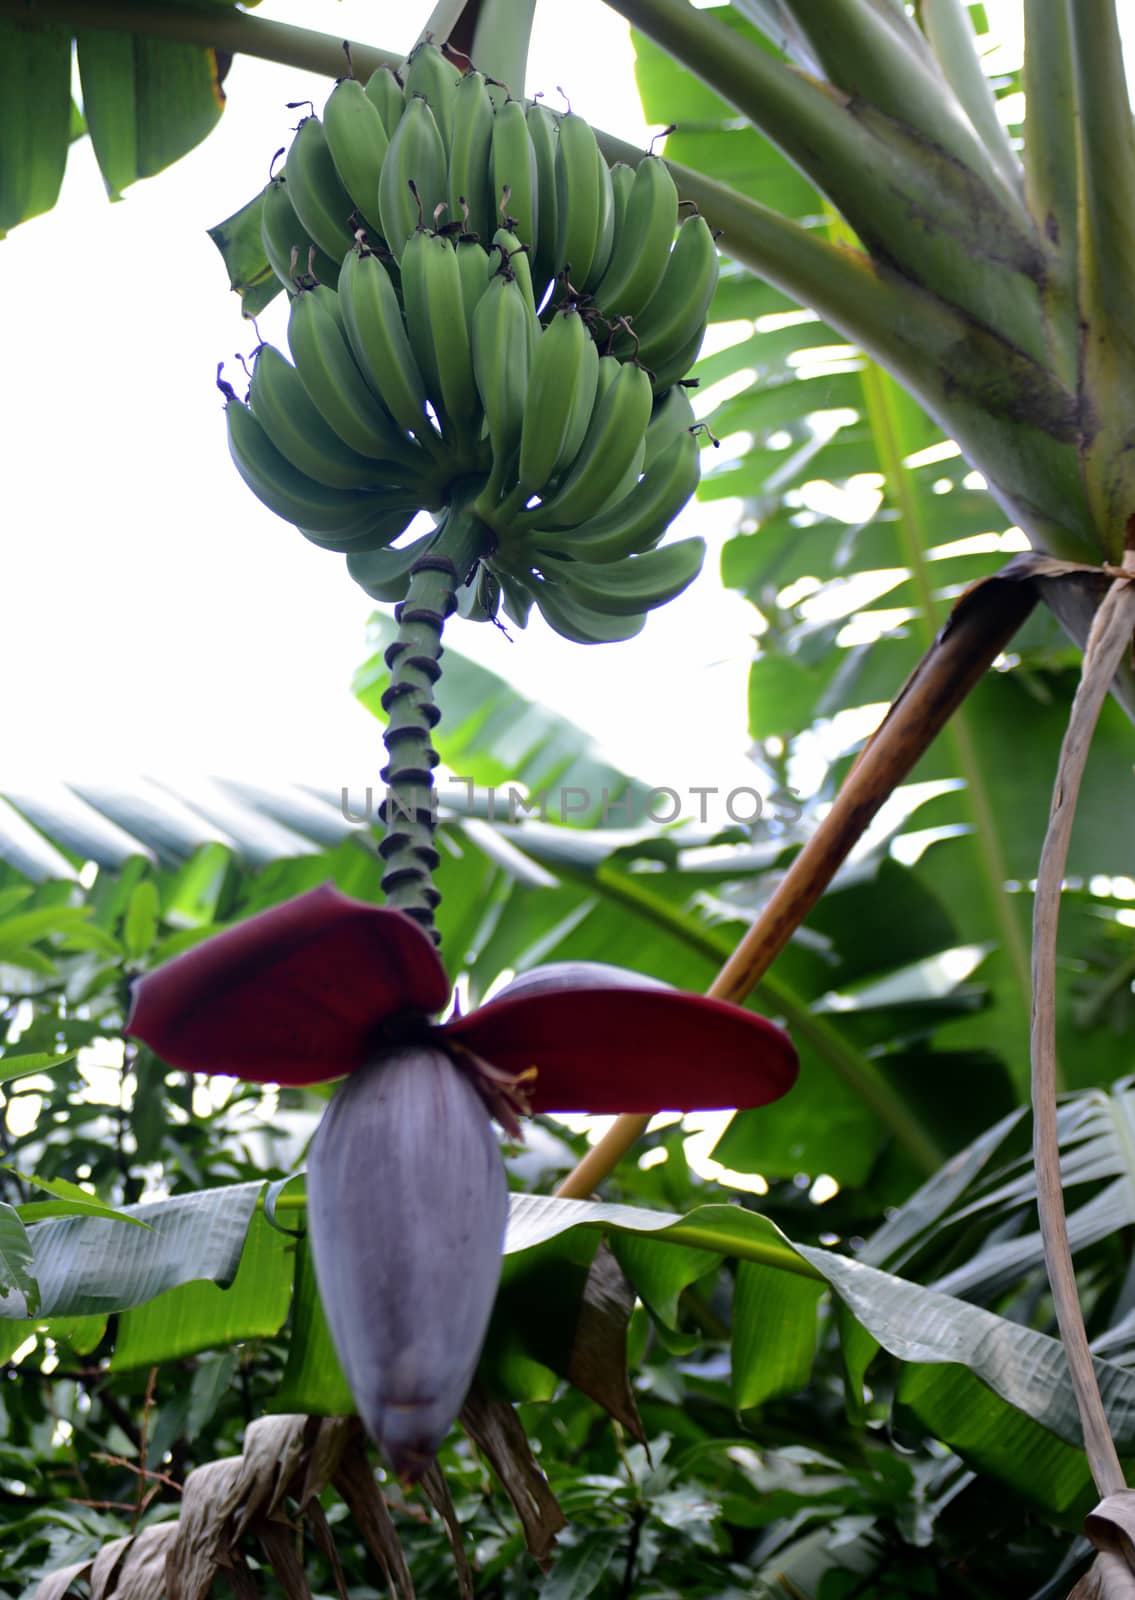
{"x":406,"y":1195}
{"x":314,"y":988}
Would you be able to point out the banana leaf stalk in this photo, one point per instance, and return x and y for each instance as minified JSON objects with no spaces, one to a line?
{"x":407,"y":1196}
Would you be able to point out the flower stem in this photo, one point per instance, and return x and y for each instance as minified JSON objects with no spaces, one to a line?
{"x":409,"y":810}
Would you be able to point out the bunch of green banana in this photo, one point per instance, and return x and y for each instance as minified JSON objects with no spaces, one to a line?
{"x":481,"y":306}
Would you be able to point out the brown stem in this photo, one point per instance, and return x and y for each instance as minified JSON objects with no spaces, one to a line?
{"x":1108,"y":642}
{"x":981,"y":624}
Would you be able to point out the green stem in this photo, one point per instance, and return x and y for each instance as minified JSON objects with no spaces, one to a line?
{"x":409,"y":810}
{"x":500,"y":41}
{"x":211,"y":27}
{"x":1052,"y":184}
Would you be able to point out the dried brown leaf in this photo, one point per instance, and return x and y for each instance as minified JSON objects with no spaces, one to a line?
{"x":495,"y":1429}
{"x":278,"y":1541}
{"x":105,"y":1566}
{"x":325,"y":1539}
{"x":54,"y":1585}
{"x":1108,"y":1578}
{"x":437,"y":1493}
{"x":356,"y":1483}
{"x":144,"y":1574}
{"x":212,"y":1492}
{"x":327,"y":1439}
{"x":273,"y":1447}
{"x":597,"y":1365}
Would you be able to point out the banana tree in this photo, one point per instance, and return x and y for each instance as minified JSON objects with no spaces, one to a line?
{"x":990,"y":283}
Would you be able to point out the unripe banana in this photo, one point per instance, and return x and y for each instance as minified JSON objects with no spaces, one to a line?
{"x":385,"y":574}
{"x":282,"y":233}
{"x":407,"y":1204}
{"x":579,"y":199}
{"x":676,"y":312}
{"x":642,"y":242}
{"x":574,"y":621}
{"x":284,"y":409}
{"x":614,"y":434}
{"x":671,"y":416}
{"x":628,"y":588}
{"x":514,"y":169}
{"x":622,"y":182}
{"x":416,"y":156}
{"x":320,"y":201}
{"x":336,"y":518}
{"x":380,"y":344}
{"x":561,"y":391}
{"x":357,"y":139}
{"x":502,"y":348}
{"x":605,"y":233}
{"x":324,"y":361}
{"x":677,"y":364}
{"x":431,"y":288}
{"x":429,"y":74}
{"x":516,"y":598}
{"x":470,"y":168}
{"x":474,"y":266}
{"x":514,"y":259}
{"x":641,"y":518}
{"x":385,"y":93}
{"x":543,"y":132}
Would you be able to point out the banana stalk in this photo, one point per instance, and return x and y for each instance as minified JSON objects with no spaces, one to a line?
{"x":409,"y":809}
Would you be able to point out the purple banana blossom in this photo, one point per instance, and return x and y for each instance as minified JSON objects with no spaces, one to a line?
{"x":407,"y":1197}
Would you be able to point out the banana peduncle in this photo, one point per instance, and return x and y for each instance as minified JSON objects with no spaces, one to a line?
{"x":409,"y":809}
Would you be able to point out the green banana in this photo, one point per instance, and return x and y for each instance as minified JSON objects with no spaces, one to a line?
{"x":516,"y":597}
{"x":561,"y":392}
{"x":380,"y":344}
{"x":676,"y":311}
{"x":470,"y":182}
{"x":628,"y":588}
{"x":676,"y":365}
{"x":605,"y":234}
{"x":502,"y":351}
{"x":431,"y":288}
{"x":622,"y":182}
{"x":479,"y":599}
{"x":335,"y":517}
{"x":416,"y":157}
{"x":514,"y":169}
{"x":385,"y":93}
{"x":641,"y":518}
{"x":427,"y":73}
{"x":577,"y":622}
{"x":378,"y":529}
{"x":385,"y":574}
{"x":515,"y":261}
{"x":543,"y":132}
{"x":318,"y":198}
{"x":284,"y":409}
{"x":281,"y":233}
{"x":672,"y":415}
{"x":642,"y":242}
{"x":474,"y":265}
{"x":358,"y":142}
{"x":324,"y":361}
{"x":579,"y":199}
{"x":614,"y":434}
{"x":627,"y":482}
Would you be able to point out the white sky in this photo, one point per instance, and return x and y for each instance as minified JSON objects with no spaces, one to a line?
{"x":156,"y":617}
